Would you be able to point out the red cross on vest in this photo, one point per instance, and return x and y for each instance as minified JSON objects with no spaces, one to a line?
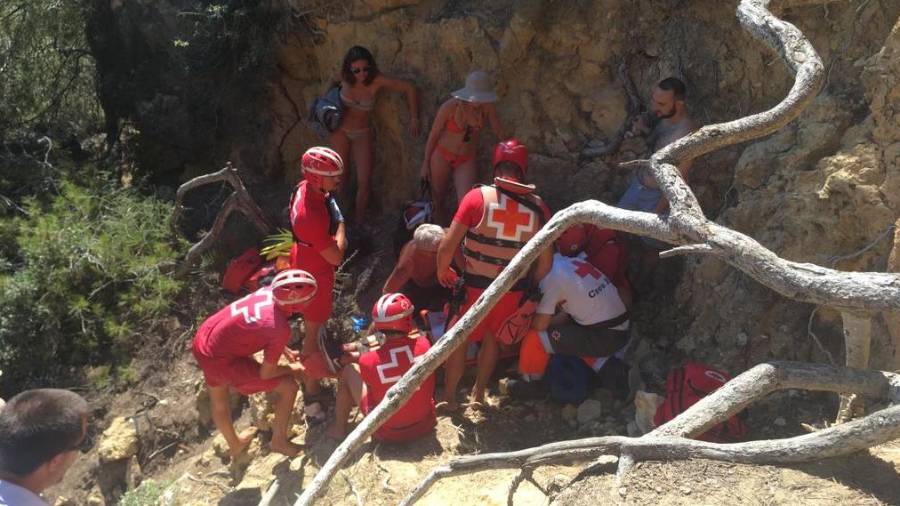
{"x":583,"y":269}
{"x":508,"y":219}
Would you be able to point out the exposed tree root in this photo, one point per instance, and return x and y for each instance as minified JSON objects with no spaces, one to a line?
{"x":669,"y":442}
{"x":686,"y":225}
{"x":239,"y":200}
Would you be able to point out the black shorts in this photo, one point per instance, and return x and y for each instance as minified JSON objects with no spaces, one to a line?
{"x":432,"y":298}
{"x":586,"y":340}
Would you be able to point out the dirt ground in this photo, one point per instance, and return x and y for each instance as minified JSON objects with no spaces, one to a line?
{"x":383,"y":474}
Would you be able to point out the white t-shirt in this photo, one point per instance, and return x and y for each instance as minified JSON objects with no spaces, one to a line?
{"x":583,"y":292}
{"x":14,"y":495}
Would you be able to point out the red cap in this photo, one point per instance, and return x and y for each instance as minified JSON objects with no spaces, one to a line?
{"x":572,"y":241}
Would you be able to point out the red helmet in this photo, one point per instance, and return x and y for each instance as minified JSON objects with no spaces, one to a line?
{"x":393,"y":311}
{"x":511,"y":151}
{"x":572,"y":241}
{"x":319,"y":162}
{"x":292,"y":289}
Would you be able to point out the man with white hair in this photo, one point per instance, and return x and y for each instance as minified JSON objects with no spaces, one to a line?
{"x":416,"y":272}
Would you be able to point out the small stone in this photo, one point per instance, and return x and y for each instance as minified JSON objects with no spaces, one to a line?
{"x":119,"y":441}
{"x":503,"y":385}
{"x":741,"y":339}
{"x":95,"y":500}
{"x":570,"y":413}
{"x":623,"y":491}
{"x":686,"y":490}
{"x":781,"y":422}
{"x":220,"y":446}
{"x":589,"y":411}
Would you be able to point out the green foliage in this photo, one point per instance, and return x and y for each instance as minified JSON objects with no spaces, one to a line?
{"x":148,"y":493}
{"x":90,"y":276}
{"x":46,"y":71}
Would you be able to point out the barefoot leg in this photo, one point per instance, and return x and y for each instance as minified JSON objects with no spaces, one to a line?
{"x":221,"y":415}
{"x":286,"y":391}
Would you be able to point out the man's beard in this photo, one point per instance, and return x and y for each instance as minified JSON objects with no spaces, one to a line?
{"x":668,"y":114}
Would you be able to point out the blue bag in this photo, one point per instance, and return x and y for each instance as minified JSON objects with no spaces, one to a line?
{"x":568,"y":378}
{"x":326,"y":112}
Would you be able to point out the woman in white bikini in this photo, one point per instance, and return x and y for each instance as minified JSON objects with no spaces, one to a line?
{"x":360,"y":83}
{"x":453,"y":139}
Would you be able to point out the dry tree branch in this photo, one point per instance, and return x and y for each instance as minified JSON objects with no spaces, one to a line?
{"x":239,"y":200}
{"x":668,"y":441}
{"x":685,"y":224}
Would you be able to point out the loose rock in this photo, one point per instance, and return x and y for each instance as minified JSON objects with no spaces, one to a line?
{"x":119,"y":441}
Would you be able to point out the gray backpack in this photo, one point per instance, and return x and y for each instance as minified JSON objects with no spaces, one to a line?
{"x":326,"y":112}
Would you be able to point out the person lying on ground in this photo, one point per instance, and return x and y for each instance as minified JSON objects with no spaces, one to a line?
{"x":42,"y":432}
{"x":580,"y":314}
{"x":668,"y":121}
{"x":360,"y":82}
{"x":226,"y":342}
{"x":415,"y":274}
{"x":400,"y":344}
{"x":450,"y":149}
{"x":493,"y":223}
{"x":320,"y":243}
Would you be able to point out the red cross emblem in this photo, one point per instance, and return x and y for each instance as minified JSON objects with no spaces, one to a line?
{"x":583,"y":269}
{"x":250,"y":307}
{"x":510,"y":221}
{"x":385,"y":373}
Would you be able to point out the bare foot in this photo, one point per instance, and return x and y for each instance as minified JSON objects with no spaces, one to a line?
{"x":445,"y":407}
{"x":286,"y":448}
{"x":243,"y":440}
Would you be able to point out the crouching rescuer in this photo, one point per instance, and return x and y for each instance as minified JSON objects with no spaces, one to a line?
{"x":493,"y":223}
{"x":580,"y":314}
{"x":226,"y":342}
{"x":396,"y":345}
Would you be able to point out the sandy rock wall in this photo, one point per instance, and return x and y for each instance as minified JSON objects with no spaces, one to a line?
{"x":824,"y":190}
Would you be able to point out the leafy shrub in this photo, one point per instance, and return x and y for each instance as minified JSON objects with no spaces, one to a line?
{"x":148,"y":493}
{"x":89,"y":277}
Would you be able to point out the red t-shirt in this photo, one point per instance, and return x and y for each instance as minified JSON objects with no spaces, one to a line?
{"x":471,"y":208}
{"x":380,"y":369}
{"x":310,"y":221}
{"x":245,"y":327}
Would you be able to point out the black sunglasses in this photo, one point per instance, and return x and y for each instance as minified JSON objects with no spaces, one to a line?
{"x":357,"y":70}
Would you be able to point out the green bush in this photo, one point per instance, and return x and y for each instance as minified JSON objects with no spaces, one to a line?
{"x":88,"y":278}
{"x":148,"y":493}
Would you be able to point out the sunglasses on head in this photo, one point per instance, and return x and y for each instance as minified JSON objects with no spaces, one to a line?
{"x":357,"y":70}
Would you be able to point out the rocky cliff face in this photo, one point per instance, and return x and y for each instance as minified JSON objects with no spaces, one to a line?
{"x":822,"y":188}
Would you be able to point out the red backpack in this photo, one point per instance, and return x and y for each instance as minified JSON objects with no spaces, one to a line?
{"x":240,"y":269}
{"x":607,"y":251}
{"x":688,"y":384}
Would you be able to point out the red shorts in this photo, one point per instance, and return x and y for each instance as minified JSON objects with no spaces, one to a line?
{"x":319,"y":308}
{"x":390,"y":434}
{"x":506,"y":306}
{"x":241,"y":373}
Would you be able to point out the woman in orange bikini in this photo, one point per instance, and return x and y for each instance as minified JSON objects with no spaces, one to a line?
{"x":451,"y":144}
{"x":360,"y":83}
